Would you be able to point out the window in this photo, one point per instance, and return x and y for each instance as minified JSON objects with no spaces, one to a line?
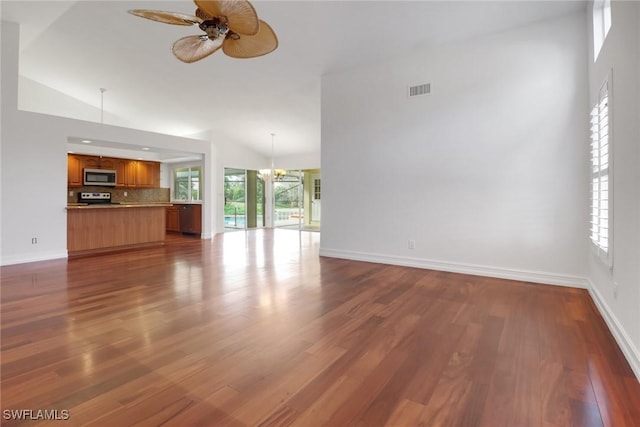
{"x":601,"y":24}
{"x":316,"y":189}
{"x":186,"y":183}
{"x":601,"y":174}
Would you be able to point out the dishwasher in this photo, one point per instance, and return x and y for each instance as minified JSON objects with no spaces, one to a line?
{"x":186,"y":219}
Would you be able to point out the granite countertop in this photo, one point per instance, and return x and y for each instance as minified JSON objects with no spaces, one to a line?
{"x":118,"y":205}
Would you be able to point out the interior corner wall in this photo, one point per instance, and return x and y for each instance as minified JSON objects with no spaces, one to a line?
{"x":487,"y":174}
{"x":617,"y":291}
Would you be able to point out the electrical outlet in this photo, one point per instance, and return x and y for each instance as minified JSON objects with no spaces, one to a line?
{"x":71,"y":193}
{"x":412,"y":244}
{"x":125,"y":194}
{"x":34,"y":240}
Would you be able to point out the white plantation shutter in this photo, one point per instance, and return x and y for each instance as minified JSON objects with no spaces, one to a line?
{"x":601,"y":175}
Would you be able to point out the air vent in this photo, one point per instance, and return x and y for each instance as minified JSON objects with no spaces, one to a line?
{"x":423,"y":89}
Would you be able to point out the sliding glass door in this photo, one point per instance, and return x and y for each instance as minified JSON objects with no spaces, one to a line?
{"x":244,"y":199}
{"x":288,"y":196}
{"x":234,"y":198}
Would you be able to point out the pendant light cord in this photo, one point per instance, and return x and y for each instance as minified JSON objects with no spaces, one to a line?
{"x":102,"y":91}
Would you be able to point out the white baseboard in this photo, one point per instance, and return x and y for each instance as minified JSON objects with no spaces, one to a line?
{"x":454,"y":267}
{"x":630,"y":351}
{"x":22,"y":259}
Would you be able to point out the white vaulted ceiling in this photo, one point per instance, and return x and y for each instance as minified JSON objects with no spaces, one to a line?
{"x":78,"y":47}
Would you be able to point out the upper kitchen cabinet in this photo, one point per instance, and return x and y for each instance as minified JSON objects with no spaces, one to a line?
{"x":74,"y":170}
{"x":129,"y":173}
{"x":121,"y":167}
{"x":90,"y":162}
{"x":108,"y":163}
{"x":147,"y":174}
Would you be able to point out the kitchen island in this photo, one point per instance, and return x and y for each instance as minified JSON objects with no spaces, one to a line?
{"x":93,"y":229}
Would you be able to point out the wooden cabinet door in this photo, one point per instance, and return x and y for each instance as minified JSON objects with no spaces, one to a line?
{"x":120,"y":166}
{"x":108,"y":163}
{"x":197,"y":219}
{"x":146,"y":174}
{"x":173,"y":218}
{"x":142,"y":174}
{"x":90,"y":162}
{"x":154,"y":170}
{"x":132,"y":173}
{"x":74,"y":170}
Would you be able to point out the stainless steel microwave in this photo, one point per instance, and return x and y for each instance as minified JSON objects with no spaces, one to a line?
{"x":103,"y":177}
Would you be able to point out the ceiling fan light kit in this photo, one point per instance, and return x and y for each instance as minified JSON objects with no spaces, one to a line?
{"x":232,"y":25}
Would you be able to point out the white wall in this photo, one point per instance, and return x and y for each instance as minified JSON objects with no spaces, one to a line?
{"x":38,"y":98}
{"x":300,"y":161}
{"x":487,"y":174}
{"x":620,"y":54}
{"x":33,"y":175}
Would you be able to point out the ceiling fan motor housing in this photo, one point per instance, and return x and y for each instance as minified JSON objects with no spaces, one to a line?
{"x":214,"y":28}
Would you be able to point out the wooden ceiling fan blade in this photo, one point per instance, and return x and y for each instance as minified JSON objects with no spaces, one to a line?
{"x":240,"y":15}
{"x":166,"y":17}
{"x":193,"y":48}
{"x":265,"y":41}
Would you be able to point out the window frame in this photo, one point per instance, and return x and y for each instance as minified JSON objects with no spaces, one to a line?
{"x":602,"y":172}
{"x":190,"y":170}
{"x":601,"y":24}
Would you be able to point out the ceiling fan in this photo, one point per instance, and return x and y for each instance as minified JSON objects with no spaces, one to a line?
{"x":230,"y":24}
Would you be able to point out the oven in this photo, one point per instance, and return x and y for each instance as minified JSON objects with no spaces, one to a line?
{"x":94,"y":198}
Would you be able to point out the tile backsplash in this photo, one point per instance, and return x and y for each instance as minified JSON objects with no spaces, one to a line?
{"x":134,"y":195}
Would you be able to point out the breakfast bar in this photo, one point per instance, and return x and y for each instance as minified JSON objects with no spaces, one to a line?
{"x":93,"y":229}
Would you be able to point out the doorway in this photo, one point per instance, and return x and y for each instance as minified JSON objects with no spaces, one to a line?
{"x":244,"y":199}
{"x":316,"y":193}
{"x":297,"y":195}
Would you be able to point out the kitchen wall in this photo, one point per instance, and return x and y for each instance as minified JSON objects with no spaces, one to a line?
{"x":486,"y":175}
{"x":617,"y":290}
{"x":123,"y":195}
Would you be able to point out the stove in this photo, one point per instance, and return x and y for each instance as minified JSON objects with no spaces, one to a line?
{"x":94,"y":198}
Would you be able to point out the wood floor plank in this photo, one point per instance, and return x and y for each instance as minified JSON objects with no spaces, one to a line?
{"x":255,"y":329}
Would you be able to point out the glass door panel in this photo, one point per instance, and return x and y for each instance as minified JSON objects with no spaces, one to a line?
{"x":234,"y":198}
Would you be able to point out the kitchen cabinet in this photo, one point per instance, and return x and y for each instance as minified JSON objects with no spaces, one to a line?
{"x":185,"y":218}
{"x":98,"y":229}
{"x":121,"y":167}
{"x":173,"y":218}
{"x":140,"y":174}
{"x":147,"y":174}
{"x":107,"y":163}
{"x":74,"y":170}
{"x":129,"y":173}
{"x":90,"y":162}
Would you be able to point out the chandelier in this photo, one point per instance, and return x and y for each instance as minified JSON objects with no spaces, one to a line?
{"x":272,"y":174}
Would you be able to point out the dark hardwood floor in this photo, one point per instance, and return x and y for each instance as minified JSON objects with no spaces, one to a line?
{"x":254,"y":329}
